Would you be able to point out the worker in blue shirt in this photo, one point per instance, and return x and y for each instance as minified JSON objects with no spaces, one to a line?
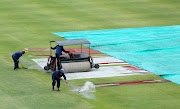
{"x":59,"y":50}
{"x":56,"y":76}
{"x":16,"y":57}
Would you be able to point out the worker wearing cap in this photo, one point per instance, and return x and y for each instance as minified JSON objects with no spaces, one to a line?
{"x":16,"y":57}
{"x":56,"y":76}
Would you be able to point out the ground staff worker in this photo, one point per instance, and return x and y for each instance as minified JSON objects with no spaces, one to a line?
{"x":56,"y":76}
{"x":59,"y":50}
{"x":16,"y":57}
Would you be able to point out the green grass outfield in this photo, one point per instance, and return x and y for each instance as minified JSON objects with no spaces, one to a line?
{"x":28,"y":23}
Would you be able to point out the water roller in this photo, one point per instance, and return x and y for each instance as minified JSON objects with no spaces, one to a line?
{"x":71,"y":63}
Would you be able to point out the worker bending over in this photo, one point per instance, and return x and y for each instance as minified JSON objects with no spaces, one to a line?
{"x":16,"y":57}
{"x":56,"y":76}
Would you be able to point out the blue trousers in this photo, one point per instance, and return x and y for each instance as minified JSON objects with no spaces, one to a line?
{"x":16,"y":63}
{"x":54,"y":79}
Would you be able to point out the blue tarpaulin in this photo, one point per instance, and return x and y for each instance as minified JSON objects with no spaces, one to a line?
{"x":155,"y":49}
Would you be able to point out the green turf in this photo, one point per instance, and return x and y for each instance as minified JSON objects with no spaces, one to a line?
{"x":28,"y":23}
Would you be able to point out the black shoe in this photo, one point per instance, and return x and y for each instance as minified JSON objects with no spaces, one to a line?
{"x":53,"y":88}
{"x":58,"y":90}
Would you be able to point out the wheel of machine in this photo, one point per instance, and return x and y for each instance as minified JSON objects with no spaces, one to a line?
{"x":96,"y":66}
{"x":46,"y":67}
